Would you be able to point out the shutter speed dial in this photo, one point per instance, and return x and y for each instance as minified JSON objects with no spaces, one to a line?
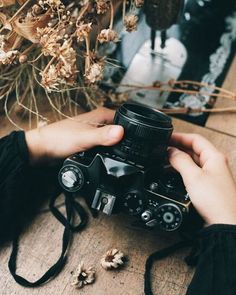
{"x":133,"y":202}
{"x":71,"y":178}
{"x":169,"y":217}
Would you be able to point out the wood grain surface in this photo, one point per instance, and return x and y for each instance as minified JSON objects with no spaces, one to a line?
{"x":41,"y":244}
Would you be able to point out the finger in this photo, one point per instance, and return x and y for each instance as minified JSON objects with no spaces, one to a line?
{"x":184,"y":164}
{"x":98,"y":116}
{"x":191,"y":153}
{"x":197,"y":143}
{"x":192,"y":141}
{"x":194,"y":156}
{"x":106,"y":136}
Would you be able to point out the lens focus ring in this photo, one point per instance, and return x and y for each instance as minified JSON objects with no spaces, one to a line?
{"x":147,"y":130}
{"x":138,"y":129}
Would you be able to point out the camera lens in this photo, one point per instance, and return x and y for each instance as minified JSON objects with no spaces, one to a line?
{"x":147,"y":133}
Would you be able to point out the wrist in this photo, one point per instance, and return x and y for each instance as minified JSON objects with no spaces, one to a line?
{"x":226,"y":219}
{"x":36,"y":148}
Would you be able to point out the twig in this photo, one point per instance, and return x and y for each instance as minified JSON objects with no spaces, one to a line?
{"x":82,"y":12}
{"x":16,"y":14}
{"x":123,"y":10}
{"x":112,"y":15}
{"x":230,"y":95}
{"x":199,"y":110}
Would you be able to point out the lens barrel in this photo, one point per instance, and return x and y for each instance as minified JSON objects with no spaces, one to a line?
{"x":147,"y":134}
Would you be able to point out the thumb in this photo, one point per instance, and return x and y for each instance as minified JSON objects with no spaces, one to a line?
{"x":106,"y":136}
{"x":184,"y":164}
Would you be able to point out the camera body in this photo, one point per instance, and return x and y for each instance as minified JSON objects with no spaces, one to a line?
{"x":132,"y":176}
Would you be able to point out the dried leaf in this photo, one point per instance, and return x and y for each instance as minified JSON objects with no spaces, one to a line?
{"x":28,"y":29}
{"x":5,"y":3}
{"x":4,"y":20}
{"x":12,"y":41}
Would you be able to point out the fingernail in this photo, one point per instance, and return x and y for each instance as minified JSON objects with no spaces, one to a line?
{"x":115,"y":131}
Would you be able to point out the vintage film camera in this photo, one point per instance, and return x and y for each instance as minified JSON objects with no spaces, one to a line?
{"x":132,"y":176}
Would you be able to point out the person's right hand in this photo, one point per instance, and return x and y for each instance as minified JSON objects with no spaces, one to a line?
{"x":207,"y":177}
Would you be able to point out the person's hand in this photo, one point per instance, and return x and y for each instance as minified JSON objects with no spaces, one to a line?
{"x":66,"y":137}
{"x":207,"y":177}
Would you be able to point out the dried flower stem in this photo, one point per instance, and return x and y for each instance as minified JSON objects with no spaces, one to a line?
{"x":82,"y":12}
{"x":99,"y":30}
{"x":36,"y":58}
{"x":201,"y":84}
{"x":48,"y":65}
{"x":28,"y":49}
{"x":199,"y":110}
{"x":87,"y":58}
{"x":112,"y":15}
{"x":7,"y":114}
{"x":124,"y":10}
{"x":230,"y":95}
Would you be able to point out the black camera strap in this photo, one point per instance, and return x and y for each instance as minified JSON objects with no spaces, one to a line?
{"x":72,"y":208}
{"x":191,"y":260}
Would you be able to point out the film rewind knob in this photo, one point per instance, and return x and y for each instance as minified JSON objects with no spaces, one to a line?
{"x":71,"y":178}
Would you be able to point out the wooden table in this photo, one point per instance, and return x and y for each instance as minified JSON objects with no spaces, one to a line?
{"x":41,"y":243}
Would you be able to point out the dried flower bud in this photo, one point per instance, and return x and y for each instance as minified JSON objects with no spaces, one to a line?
{"x":52,"y":3}
{"x":50,"y":78}
{"x":131,"y":23}
{"x":83,"y":276}
{"x":112,"y":259}
{"x":171,"y":82}
{"x":36,"y":10}
{"x":119,"y":97}
{"x":108,"y":35}
{"x":7,"y":58}
{"x":139,"y":3}
{"x":23,"y":58}
{"x":94,"y":73}
{"x":102,"y":6}
{"x":83,"y":31}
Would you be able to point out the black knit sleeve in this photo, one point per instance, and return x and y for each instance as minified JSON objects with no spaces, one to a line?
{"x":216,"y":268}
{"x":22,"y":188}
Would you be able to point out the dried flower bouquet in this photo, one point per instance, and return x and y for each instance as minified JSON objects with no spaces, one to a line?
{"x":50,"y":53}
{"x":48,"y":48}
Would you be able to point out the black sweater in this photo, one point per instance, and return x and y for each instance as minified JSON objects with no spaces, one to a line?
{"x":23,"y":189}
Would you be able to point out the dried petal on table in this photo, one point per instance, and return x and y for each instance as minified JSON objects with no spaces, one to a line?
{"x":83,"y":276}
{"x":112,"y":259}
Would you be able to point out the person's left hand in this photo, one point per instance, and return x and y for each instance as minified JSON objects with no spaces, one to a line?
{"x":66,"y":137}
